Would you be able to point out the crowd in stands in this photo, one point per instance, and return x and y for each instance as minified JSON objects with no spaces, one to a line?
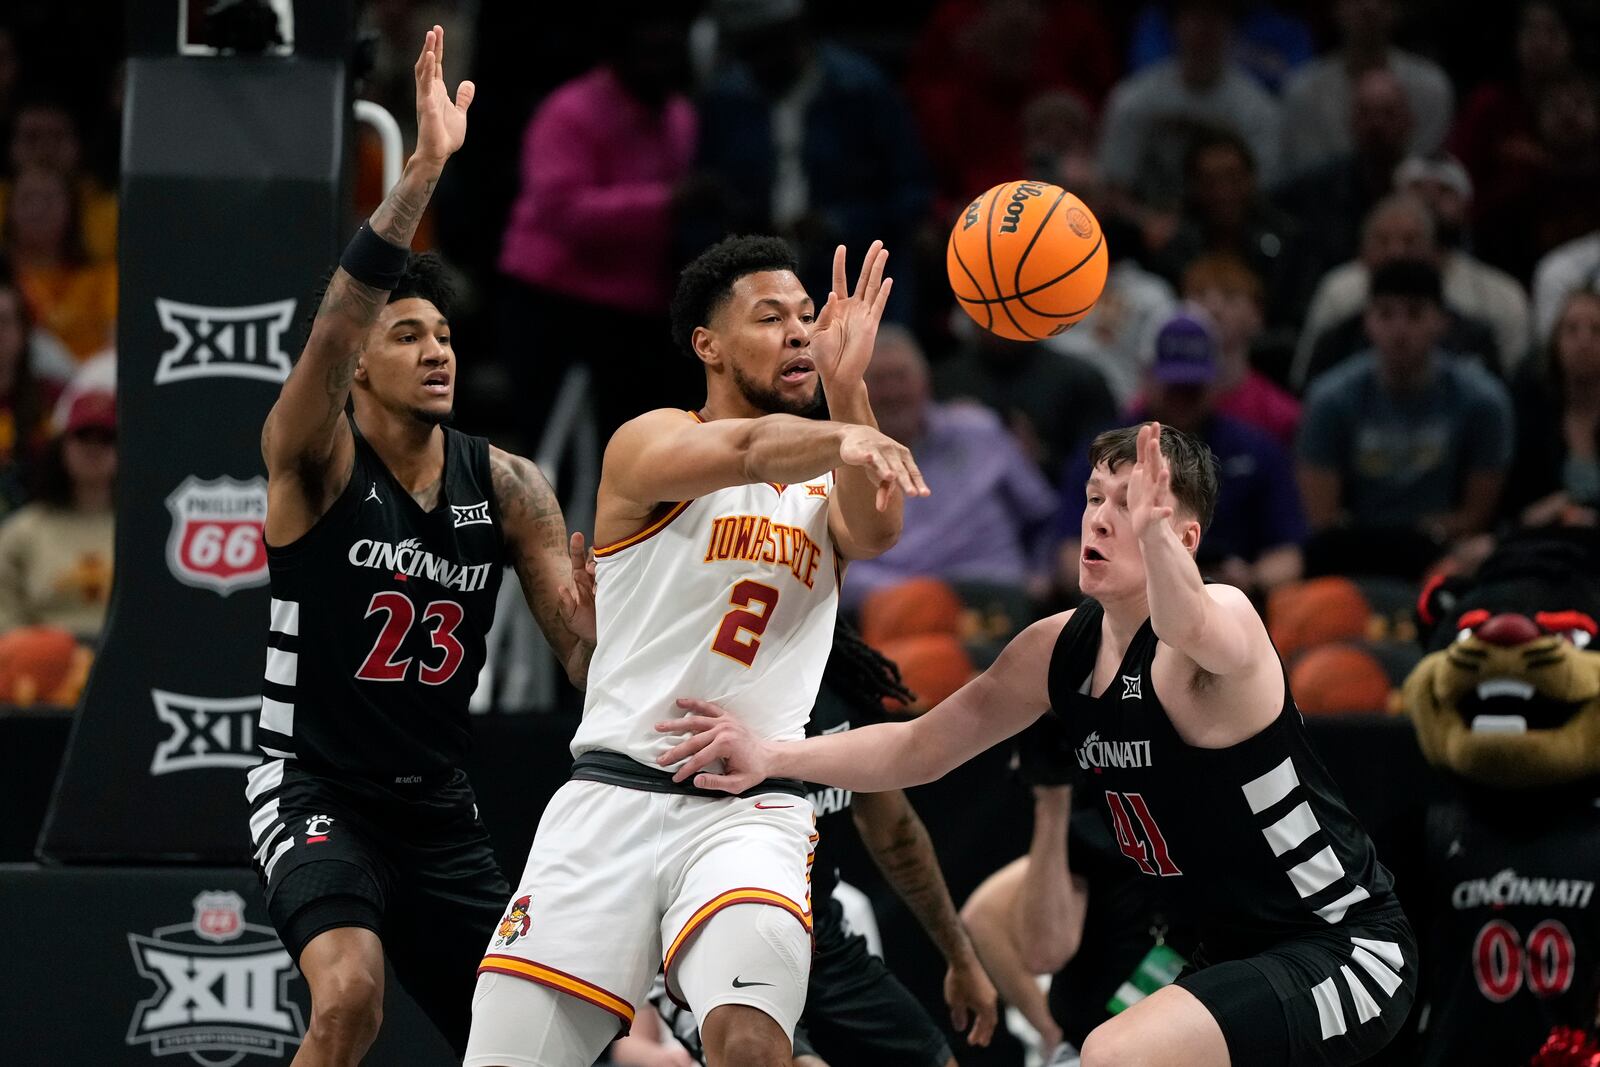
{"x":1363,"y":277}
{"x":58,"y":309}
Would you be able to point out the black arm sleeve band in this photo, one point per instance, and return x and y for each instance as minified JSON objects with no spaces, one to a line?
{"x":371,"y":260}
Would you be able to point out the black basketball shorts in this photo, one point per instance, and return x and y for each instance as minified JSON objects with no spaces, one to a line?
{"x":411,"y":863}
{"x":1324,"y":999}
{"x":857,"y":1012}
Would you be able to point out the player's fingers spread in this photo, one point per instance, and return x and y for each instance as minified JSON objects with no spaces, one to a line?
{"x":841,"y":280}
{"x":875,"y":280}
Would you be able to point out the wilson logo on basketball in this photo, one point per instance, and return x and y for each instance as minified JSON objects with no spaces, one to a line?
{"x":1025,"y":191}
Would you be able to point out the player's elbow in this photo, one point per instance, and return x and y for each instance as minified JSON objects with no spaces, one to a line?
{"x":1047,"y":951}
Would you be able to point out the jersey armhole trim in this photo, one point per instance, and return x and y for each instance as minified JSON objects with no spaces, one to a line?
{"x":644,"y":534}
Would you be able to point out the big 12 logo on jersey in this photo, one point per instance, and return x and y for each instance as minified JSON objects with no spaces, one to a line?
{"x":221,"y":987}
{"x":216,"y":540}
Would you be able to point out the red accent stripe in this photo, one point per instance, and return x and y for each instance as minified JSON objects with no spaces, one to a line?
{"x":627,"y":1018}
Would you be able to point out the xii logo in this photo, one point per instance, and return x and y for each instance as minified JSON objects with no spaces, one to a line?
{"x":227,"y":342}
{"x":221,"y":987}
{"x":206,"y":732}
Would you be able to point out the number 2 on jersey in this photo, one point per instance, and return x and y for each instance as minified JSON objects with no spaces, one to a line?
{"x":1129,"y":842}
{"x":746,"y":595}
{"x":380,"y":664}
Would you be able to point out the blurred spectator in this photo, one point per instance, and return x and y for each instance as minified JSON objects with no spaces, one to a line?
{"x":1117,"y":337}
{"x":974,"y":66}
{"x":1317,"y":98}
{"x":1402,"y":228}
{"x":24,"y":399}
{"x":1060,"y":141}
{"x":1403,"y":449}
{"x":1548,"y":198}
{"x":1048,"y":400}
{"x":1231,"y":294}
{"x":587,"y":249}
{"x":45,"y":136}
{"x":1469,"y":283}
{"x":808,"y":140}
{"x":55,"y":552}
{"x":72,"y":297}
{"x":1266,"y":43}
{"x":1574,"y":265}
{"x":1556,"y":478}
{"x":1254,"y":537}
{"x":1497,"y":125}
{"x":1225,"y":212}
{"x":1330,"y":201}
{"x":990,"y":504}
{"x":1151,"y":116}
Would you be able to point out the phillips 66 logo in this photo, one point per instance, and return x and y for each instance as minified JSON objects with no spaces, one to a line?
{"x":216,"y":533}
{"x":221,"y":987}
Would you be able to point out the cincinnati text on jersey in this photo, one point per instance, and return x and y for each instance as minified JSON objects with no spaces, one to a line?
{"x":1097,"y":753}
{"x":1509,"y":888}
{"x":757,"y":538}
{"x":411,"y":559}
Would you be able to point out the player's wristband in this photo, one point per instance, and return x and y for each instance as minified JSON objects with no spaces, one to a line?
{"x":371,"y":260}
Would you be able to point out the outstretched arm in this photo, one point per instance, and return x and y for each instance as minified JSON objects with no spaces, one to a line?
{"x":555,"y":572}
{"x":988,"y":709}
{"x":305,"y":437}
{"x":1216,"y":626}
{"x":667,"y":455}
{"x":900,"y":846}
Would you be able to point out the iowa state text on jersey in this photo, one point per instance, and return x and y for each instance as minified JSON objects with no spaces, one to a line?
{"x":758,"y":538}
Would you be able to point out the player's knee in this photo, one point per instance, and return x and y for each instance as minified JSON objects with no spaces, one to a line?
{"x":740,"y":1036}
{"x":347,"y":1006}
{"x":1110,"y":1045}
{"x":750,"y":1048}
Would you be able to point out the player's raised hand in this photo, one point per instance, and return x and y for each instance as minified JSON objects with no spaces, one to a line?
{"x":847,"y":329}
{"x":888,"y":461}
{"x":1150,"y":484}
{"x":441,"y":122}
{"x":713,"y":735}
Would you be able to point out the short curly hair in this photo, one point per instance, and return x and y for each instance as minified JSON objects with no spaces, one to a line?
{"x":707,"y":282}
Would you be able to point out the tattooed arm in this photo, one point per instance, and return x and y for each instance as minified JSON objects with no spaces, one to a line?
{"x":900,"y":846}
{"x":306,"y":442}
{"x":554,"y":571}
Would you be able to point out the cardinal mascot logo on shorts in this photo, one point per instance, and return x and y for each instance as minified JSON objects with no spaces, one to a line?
{"x":515,"y":924}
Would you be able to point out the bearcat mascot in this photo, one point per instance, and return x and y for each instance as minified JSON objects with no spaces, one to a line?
{"x":1507,"y":706}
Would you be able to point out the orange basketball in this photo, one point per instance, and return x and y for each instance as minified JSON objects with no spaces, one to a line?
{"x":1027,"y":260}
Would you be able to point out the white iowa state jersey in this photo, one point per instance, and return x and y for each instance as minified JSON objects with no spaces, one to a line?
{"x":728,"y":598}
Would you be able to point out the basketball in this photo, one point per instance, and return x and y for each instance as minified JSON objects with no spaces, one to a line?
{"x":1027,"y":260}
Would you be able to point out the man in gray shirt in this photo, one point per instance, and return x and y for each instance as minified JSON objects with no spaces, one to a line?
{"x":1403,"y":449}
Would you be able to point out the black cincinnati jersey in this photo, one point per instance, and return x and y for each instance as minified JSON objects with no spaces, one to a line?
{"x":1253,"y":843}
{"x":1509,"y":923}
{"x":379,"y":618}
{"x":831,"y":714}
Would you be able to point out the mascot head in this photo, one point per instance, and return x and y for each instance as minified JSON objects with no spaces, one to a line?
{"x":1509,"y":696}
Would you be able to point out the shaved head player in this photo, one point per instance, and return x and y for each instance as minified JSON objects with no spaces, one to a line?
{"x":387,"y":533}
{"x":723,"y":535}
